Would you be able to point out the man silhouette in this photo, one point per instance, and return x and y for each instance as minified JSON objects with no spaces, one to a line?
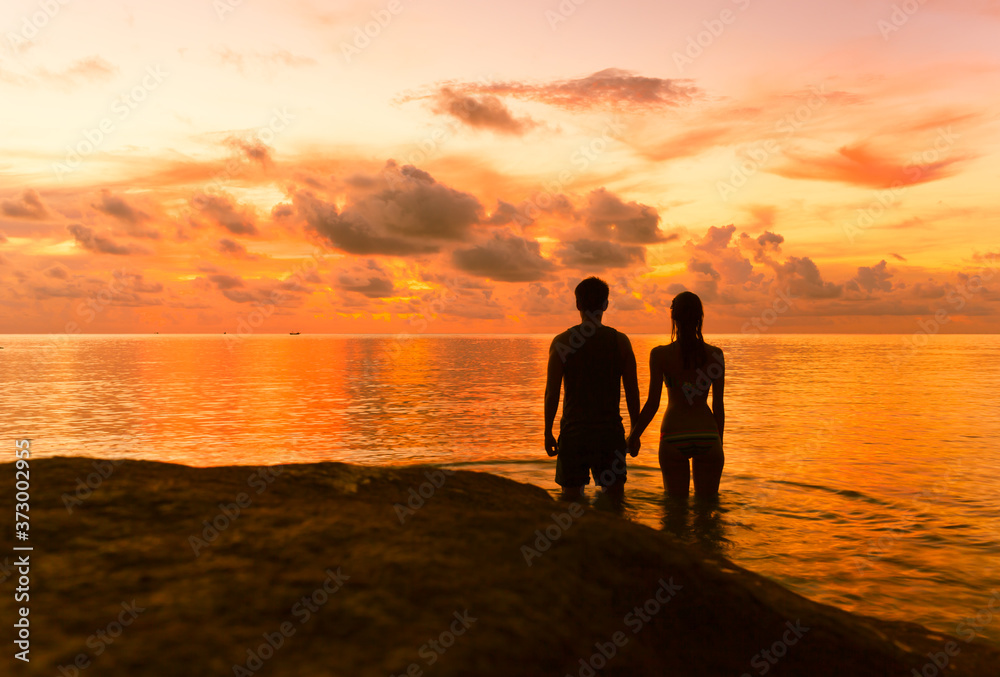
{"x":594,"y":361}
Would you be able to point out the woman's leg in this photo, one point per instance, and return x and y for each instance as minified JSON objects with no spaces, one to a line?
{"x":676,"y":470}
{"x":707,"y":467}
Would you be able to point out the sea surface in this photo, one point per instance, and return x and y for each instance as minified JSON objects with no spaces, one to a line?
{"x":861,"y":471}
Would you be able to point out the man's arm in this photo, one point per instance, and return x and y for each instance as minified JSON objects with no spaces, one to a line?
{"x":630,"y":379}
{"x":553,"y":384}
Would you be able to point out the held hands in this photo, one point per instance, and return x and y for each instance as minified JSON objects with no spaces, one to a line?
{"x":633,"y":445}
{"x":551,"y":446}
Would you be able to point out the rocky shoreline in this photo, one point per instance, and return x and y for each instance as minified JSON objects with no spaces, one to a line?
{"x":145,"y":568}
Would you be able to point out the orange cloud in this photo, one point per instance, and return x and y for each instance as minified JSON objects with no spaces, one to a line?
{"x":29,"y":206}
{"x":101,"y":244}
{"x":404,"y":211}
{"x":368,"y":279}
{"x":133,"y":218}
{"x":87,"y":70}
{"x":505,"y":257}
{"x":586,"y":254}
{"x":234,"y":249}
{"x":608,"y":215}
{"x":486,"y":112}
{"x":609,"y":88}
{"x":225,"y":212}
{"x":859,"y":165}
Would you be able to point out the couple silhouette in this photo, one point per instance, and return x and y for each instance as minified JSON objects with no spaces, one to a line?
{"x":593,"y":363}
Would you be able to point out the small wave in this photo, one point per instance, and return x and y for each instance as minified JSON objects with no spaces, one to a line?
{"x":491,"y":462}
{"x":847,"y":493}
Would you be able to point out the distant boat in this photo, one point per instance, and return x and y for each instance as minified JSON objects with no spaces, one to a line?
{"x":294,"y":333}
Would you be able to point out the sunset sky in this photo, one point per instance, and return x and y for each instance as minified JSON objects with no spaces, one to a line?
{"x":443,"y":166}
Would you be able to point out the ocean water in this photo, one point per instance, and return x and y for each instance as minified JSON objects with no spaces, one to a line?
{"x":861,"y":471}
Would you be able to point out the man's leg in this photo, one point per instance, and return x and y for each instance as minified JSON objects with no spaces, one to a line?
{"x":611,"y":471}
{"x":572,"y":468}
{"x":571,"y":493}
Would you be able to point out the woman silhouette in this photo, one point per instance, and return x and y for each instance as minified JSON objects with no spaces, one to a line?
{"x":689,"y":368}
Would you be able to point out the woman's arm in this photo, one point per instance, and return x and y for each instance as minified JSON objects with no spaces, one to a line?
{"x":718,"y":388}
{"x":652,"y":401}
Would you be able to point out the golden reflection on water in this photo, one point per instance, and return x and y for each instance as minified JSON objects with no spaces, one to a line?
{"x":859,"y":472}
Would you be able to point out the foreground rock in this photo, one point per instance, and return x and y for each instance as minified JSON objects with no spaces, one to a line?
{"x":314,"y":574}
